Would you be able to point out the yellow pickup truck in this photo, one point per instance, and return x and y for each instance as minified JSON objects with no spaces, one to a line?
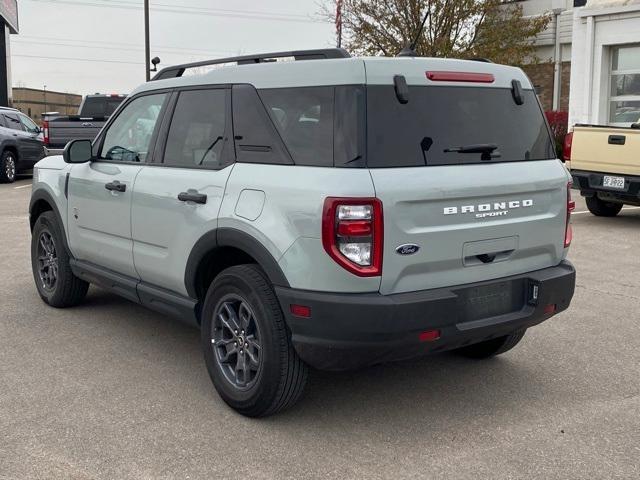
{"x":605,"y":165}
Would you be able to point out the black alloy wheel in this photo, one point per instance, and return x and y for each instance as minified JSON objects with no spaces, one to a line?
{"x":236,"y":341}
{"x":47,"y":261}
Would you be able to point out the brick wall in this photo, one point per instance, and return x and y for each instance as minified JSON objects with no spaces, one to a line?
{"x":34,"y":102}
{"x":565,"y":76}
{"x":542,"y":77}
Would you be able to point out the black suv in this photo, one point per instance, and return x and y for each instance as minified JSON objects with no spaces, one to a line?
{"x":21,"y":143}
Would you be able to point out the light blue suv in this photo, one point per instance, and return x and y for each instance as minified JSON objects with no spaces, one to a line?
{"x":327,"y":211}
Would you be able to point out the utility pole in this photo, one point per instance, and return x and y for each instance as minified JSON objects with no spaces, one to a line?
{"x":44,"y":95}
{"x":147,"y":48}
{"x":339,"y":23}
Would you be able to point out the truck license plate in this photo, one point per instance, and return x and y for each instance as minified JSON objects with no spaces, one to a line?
{"x":613,"y":182}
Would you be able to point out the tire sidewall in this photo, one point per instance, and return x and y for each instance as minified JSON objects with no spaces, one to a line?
{"x":266,"y":384}
{"x":46,"y":222}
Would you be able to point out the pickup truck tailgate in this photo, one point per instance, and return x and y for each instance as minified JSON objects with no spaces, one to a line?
{"x":606,"y":149}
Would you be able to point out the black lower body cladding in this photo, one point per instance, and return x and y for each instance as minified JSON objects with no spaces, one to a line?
{"x":591,"y":184}
{"x":347,"y":331}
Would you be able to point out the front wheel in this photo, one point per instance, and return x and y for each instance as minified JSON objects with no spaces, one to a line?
{"x":493,"y":347}
{"x":8,"y":169}
{"x":247,"y":345}
{"x":56,"y":283}
{"x":600,"y":208}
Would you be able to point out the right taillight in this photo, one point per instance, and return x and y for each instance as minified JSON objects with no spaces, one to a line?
{"x":566,"y":147}
{"x":45,"y":132}
{"x":571,"y":206}
{"x":352,"y":234}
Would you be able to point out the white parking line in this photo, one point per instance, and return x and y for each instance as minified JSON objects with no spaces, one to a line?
{"x":587,"y":211}
{"x":22,"y":186}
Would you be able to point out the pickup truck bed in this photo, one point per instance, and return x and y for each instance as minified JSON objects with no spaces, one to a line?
{"x":605,"y":163}
{"x":64,"y":129}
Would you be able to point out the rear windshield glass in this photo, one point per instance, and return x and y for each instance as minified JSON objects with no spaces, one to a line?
{"x":453,"y":126}
{"x":100,"y":106}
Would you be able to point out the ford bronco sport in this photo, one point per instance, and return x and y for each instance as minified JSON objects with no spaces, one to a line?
{"x":329,"y":211}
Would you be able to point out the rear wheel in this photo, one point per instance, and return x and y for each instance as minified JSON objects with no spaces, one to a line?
{"x":8,"y":167}
{"x":56,"y":283}
{"x":490,"y":348}
{"x":247,"y":345}
{"x":601,"y":208}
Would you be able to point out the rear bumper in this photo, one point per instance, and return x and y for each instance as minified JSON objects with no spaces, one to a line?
{"x":347,"y":331}
{"x":590,"y":184}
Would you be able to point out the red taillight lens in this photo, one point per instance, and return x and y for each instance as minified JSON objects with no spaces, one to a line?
{"x":571,"y":206}
{"x":45,"y":132}
{"x":352,"y":234}
{"x":566,"y":147}
{"x":460,"y":77}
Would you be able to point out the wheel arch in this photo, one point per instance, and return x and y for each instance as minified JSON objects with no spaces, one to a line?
{"x":13,"y":148}
{"x":223,"y":248}
{"x":42,"y":201}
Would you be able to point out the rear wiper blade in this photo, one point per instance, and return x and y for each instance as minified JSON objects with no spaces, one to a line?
{"x":475,"y":148}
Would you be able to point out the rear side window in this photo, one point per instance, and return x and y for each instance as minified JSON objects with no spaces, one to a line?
{"x":320,"y":126}
{"x":197,"y":133}
{"x":304,"y":119}
{"x":437,"y":121}
{"x":256,"y":139}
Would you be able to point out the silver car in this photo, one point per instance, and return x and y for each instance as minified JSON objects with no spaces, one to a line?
{"x":331,"y":211}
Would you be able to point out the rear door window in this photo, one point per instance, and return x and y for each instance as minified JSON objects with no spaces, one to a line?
{"x":198,"y":130}
{"x":438,"y":121}
{"x":13,"y":122}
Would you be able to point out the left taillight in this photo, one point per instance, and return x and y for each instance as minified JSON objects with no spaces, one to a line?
{"x":45,"y":132}
{"x":571,"y":206}
{"x":352,"y":234}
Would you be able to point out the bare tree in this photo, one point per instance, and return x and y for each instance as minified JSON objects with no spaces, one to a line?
{"x":492,"y":29}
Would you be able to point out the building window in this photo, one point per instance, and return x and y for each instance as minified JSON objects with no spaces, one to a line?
{"x":624,"y":101}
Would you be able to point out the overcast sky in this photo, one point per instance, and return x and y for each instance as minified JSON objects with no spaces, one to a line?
{"x":88,"y":46}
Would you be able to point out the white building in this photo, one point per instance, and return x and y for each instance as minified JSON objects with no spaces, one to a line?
{"x":590,"y":59}
{"x":605,"y":63}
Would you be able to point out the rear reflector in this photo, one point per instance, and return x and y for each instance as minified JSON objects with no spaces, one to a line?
{"x":429,"y":335}
{"x":549,"y":309}
{"x":301,"y":311}
{"x":460,"y":77}
{"x":566,"y":147}
{"x":571,"y":206}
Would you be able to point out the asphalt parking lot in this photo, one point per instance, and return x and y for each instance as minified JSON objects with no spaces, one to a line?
{"x":110,"y":390}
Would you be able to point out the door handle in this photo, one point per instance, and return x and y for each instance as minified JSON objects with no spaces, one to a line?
{"x":116,"y":186}
{"x":192,"y":196}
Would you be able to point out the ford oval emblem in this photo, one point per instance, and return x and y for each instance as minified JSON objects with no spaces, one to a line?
{"x":407,"y":249}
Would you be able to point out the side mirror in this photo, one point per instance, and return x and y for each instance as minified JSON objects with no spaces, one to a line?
{"x":77,"y":151}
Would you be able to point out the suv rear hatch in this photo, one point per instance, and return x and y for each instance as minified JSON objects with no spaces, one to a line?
{"x":469,"y":175}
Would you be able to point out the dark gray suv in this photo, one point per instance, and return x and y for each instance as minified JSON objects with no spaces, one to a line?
{"x":21,"y":143}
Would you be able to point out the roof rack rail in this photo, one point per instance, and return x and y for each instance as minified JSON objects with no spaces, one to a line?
{"x":319,"y":54}
{"x":479,"y":59}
